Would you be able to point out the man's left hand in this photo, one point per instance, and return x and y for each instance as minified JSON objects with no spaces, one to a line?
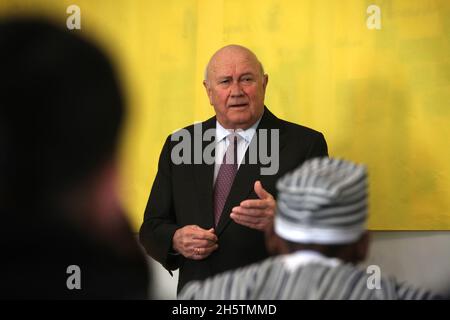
{"x":256,"y":213}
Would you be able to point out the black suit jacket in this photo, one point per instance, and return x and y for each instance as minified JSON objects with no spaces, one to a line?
{"x":183,"y":195}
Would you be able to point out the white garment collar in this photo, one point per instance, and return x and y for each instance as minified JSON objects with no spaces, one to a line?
{"x":303,"y":257}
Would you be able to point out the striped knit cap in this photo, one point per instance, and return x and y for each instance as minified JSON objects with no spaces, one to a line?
{"x":324,"y":201}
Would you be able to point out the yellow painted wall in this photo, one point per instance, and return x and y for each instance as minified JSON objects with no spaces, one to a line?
{"x":380,"y":96}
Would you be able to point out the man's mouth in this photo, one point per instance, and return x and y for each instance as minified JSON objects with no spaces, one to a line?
{"x":238,"y":105}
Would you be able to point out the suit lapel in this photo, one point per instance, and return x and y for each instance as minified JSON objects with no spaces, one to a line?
{"x":204,"y":175}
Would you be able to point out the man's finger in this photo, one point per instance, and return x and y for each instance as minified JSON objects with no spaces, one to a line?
{"x":209,"y":250}
{"x":260,"y":192}
{"x":257,"y":213}
{"x":196,"y":254}
{"x":205,"y":236}
{"x":202,"y":243}
{"x":197,"y":228}
{"x":254,"y":203}
{"x":238,"y":218}
{"x":197,"y":257}
{"x":202,"y":253}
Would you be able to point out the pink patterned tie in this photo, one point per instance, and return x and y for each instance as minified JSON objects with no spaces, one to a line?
{"x":225,"y":177}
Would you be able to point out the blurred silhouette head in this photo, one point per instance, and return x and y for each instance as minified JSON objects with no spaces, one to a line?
{"x":61,"y":109}
{"x":60,"y":113}
{"x":322,"y":206}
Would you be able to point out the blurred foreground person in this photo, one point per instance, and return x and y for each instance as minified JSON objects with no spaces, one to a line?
{"x":63,"y":233}
{"x":320,"y":234}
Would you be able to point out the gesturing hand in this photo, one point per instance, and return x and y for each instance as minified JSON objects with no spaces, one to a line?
{"x":256,"y":213}
{"x":194,"y":242}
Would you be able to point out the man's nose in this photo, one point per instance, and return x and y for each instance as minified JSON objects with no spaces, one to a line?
{"x":236,"y":89}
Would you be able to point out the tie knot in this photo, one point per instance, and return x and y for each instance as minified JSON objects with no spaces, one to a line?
{"x":230,"y":156}
{"x":233,"y":137}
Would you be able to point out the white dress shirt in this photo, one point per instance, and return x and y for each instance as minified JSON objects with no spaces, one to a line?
{"x":222,"y":143}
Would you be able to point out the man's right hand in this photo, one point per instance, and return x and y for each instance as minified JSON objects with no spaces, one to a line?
{"x":194,"y":242}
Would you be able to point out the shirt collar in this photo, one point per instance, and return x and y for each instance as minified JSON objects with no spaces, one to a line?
{"x":247,"y":135}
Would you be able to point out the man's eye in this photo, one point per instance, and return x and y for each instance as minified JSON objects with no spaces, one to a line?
{"x":224,"y":81}
{"x":247,"y":79}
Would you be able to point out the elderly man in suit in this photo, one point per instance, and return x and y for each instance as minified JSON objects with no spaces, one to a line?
{"x":207,"y":217}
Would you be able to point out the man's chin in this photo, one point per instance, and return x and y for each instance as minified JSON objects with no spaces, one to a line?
{"x":241,"y":119}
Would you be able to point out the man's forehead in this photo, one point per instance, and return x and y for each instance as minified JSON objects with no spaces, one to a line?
{"x":234,"y":64}
{"x":233,"y":60}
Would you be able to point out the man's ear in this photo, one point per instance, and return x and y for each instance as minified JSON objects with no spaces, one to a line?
{"x":208,"y":91}
{"x":362,"y":247}
{"x":274,"y":244}
{"x":265,"y":81}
